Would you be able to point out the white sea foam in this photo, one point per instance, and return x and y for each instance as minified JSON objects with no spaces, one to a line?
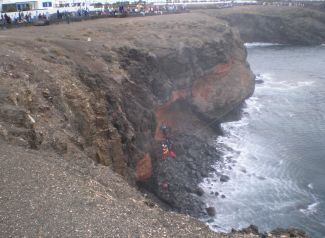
{"x":253,"y":104}
{"x":259,"y":44}
{"x":305,"y":83}
{"x":311,"y":209}
{"x":262,"y":175}
{"x":264,"y":76}
{"x":286,"y":85}
{"x":281,"y":85}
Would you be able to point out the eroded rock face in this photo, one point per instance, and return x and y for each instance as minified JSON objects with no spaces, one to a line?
{"x":107,"y":99}
{"x":272,"y":24}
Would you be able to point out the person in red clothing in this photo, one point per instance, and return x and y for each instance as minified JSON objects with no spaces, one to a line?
{"x":167,"y":152}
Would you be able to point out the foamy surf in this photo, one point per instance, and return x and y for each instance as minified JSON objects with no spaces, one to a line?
{"x":273,"y":155}
{"x":264,"y":76}
{"x":259,"y":44}
{"x":311,"y":209}
{"x":285,"y":85}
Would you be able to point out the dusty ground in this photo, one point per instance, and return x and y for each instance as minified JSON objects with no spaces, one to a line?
{"x":43,"y":195}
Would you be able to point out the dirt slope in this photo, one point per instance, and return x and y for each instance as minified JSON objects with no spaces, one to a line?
{"x":45,"y":196}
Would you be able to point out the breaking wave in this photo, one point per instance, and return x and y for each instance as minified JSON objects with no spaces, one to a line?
{"x":273,"y":154}
{"x":260,"y":44}
{"x":311,"y":209}
{"x":281,"y":85}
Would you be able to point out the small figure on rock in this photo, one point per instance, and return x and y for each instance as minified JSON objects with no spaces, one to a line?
{"x":165,"y":130}
{"x":166,"y":152}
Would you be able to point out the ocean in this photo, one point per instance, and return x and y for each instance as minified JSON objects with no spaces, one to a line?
{"x":275,"y":154}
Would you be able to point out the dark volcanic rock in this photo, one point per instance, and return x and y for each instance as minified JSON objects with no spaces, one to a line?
{"x":284,"y":25}
{"x":290,"y":232}
{"x":211,"y":211}
{"x":199,"y":191}
{"x":224,"y":178}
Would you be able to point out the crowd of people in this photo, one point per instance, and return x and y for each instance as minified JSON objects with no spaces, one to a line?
{"x":20,"y":18}
{"x":27,"y":17}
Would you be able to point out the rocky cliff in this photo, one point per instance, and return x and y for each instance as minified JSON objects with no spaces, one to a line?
{"x":276,"y":24}
{"x":76,"y":97}
{"x":103,"y":89}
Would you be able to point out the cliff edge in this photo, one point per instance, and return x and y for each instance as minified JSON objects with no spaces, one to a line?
{"x":276,"y":24}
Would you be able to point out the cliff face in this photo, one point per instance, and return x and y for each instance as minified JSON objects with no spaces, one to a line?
{"x":102,"y":90}
{"x":284,"y":25}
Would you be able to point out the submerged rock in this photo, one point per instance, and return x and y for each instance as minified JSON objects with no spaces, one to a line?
{"x":211,"y":211}
{"x":199,"y":191}
{"x":224,"y":178}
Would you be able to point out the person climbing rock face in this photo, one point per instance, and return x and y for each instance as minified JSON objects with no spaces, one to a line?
{"x":166,"y":152}
{"x":164,"y":129}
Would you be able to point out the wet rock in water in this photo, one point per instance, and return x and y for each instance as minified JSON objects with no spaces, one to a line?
{"x":211,"y":211}
{"x":223,"y":196}
{"x":216,"y":193}
{"x":210,"y":220}
{"x":259,"y":81}
{"x":216,"y":226}
{"x":252,"y":229}
{"x":224,"y":178}
{"x":199,"y":191}
{"x":261,"y":178}
{"x":243,"y":170}
{"x":290,"y":232}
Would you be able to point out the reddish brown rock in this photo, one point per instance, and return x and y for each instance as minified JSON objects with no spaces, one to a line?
{"x":144,"y":168}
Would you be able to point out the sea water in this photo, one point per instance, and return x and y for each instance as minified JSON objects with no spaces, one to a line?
{"x":275,"y":154}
